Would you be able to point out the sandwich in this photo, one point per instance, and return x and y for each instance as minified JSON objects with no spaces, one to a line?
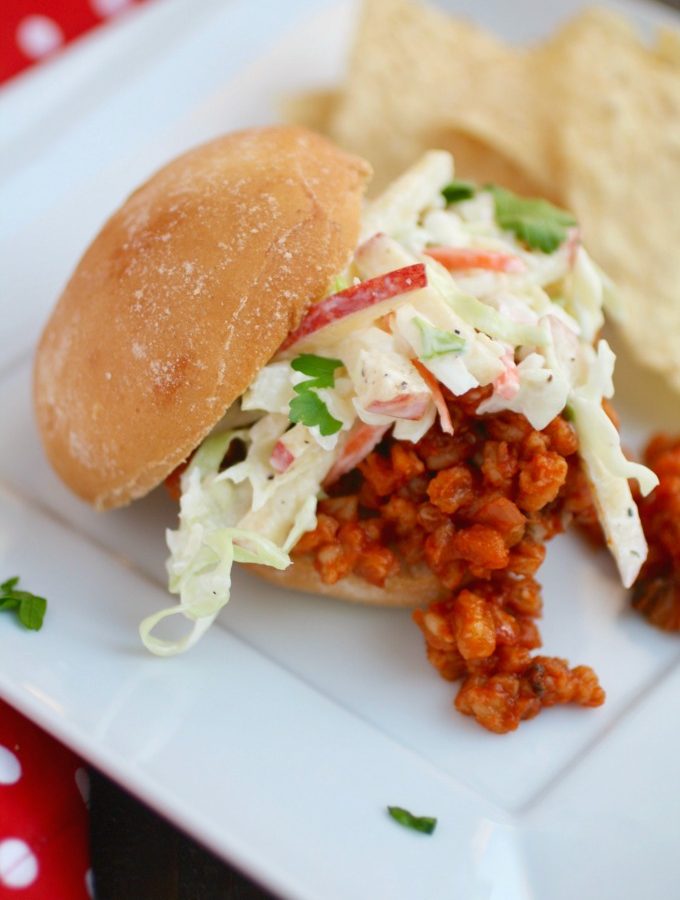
{"x":395,"y":401}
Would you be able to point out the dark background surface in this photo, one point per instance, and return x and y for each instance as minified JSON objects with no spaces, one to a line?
{"x":136,"y":855}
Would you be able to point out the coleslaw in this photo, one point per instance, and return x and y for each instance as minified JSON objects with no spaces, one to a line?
{"x":437,"y":293}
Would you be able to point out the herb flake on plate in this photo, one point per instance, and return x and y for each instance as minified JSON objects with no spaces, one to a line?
{"x":424,"y":824}
{"x":29,"y":607}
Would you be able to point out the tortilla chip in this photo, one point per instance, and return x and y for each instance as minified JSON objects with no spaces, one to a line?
{"x":617,"y":119}
{"x":414,"y":70}
{"x":668,"y":45}
{"x":314,"y":109}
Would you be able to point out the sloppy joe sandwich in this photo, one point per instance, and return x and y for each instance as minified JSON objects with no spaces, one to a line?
{"x":394,"y":402}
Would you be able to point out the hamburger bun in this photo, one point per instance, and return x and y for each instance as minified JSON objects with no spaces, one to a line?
{"x":187,"y":291}
{"x":412,"y":586}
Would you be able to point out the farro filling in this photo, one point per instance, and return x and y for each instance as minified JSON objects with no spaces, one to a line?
{"x":477,"y":507}
{"x":657,"y":590}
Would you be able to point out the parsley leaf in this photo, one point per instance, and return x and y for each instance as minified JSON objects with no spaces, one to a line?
{"x":30,"y":607}
{"x":320,"y":369}
{"x":310,"y":409}
{"x":456,"y":191}
{"x":537,"y":223}
{"x":436,"y":341}
{"x":426,"y":824}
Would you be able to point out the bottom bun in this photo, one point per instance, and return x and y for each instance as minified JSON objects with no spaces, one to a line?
{"x":415,"y":586}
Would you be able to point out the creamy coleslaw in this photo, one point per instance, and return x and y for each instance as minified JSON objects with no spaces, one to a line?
{"x":437,"y":293}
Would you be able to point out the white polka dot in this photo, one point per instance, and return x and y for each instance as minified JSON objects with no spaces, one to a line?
{"x":83,"y":783}
{"x":10,"y":767}
{"x":38,"y":35}
{"x":89,"y":883}
{"x":106,"y":8}
{"x":18,"y":865}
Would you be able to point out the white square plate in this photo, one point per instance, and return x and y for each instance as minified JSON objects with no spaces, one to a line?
{"x":282,"y":738}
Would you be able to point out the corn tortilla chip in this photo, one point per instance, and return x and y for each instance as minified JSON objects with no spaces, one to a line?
{"x":313,"y":109}
{"x":414,"y":70}
{"x":617,"y":122}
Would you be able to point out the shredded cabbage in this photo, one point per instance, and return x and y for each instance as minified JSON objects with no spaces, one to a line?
{"x":608,"y":471}
{"x":272,"y":389}
{"x":542,"y":393}
{"x":585,"y":296}
{"x":399,"y":207}
{"x":217,"y":527}
{"x":482,"y":316}
{"x":607,"y":468}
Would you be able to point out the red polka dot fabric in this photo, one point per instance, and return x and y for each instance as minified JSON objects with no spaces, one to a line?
{"x":44,"y":788}
{"x":34,"y":30}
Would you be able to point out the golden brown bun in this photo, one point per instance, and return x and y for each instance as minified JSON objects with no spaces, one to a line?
{"x":187,"y":291}
{"x":411,"y":587}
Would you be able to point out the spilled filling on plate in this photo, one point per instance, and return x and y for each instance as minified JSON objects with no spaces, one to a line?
{"x":443,"y":407}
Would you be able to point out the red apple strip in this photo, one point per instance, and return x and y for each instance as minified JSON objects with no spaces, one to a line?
{"x":358,"y":297}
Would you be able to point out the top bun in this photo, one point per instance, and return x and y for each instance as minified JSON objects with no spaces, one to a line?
{"x":187,"y":291}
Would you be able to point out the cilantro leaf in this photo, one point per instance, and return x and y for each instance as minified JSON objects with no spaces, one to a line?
{"x":309,"y":409}
{"x":426,"y":824}
{"x":320,"y":369}
{"x":539,"y":224}
{"x":456,"y":191}
{"x":32,"y":612}
{"x":31,"y":608}
{"x":436,"y":341}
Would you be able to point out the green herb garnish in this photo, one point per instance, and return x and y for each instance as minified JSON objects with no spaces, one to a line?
{"x":308,"y":408}
{"x":30,"y":607}
{"x":426,"y":824}
{"x":456,"y":191}
{"x":539,"y":224}
{"x":320,"y":369}
{"x":436,"y":341}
